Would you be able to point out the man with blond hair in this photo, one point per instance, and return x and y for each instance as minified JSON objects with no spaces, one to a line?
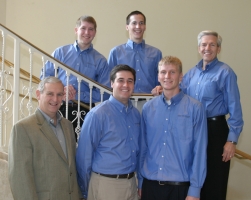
{"x":173,"y":141}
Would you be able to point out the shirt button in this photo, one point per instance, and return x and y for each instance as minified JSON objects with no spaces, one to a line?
{"x":166,"y":119}
{"x":164,"y":143}
{"x":130,"y":138}
{"x":162,"y":156}
{"x":160,"y":168}
{"x":132,"y":150}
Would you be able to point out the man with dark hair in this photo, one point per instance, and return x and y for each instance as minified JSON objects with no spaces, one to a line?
{"x":173,"y":141}
{"x":42,"y":150}
{"x":138,"y":55}
{"x":108,"y":150}
{"x":82,"y":57}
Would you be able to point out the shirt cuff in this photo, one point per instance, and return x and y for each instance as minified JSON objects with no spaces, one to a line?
{"x":194,"y":192}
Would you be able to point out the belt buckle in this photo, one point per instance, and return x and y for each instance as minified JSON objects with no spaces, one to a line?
{"x":117,"y":177}
{"x":161,"y":183}
{"x":128,"y":176}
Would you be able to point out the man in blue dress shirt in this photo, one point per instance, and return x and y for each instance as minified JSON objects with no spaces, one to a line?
{"x":214,"y":84}
{"x":138,"y":55}
{"x":108,"y":149}
{"x":82,"y":57}
{"x":173,"y":141}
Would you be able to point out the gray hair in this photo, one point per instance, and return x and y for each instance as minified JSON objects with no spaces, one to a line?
{"x":49,"y":79}
{"x":208,"y":32}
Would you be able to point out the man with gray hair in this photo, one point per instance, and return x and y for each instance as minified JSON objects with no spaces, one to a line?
{"x":214,"y":84}
{"x":42,"y":150}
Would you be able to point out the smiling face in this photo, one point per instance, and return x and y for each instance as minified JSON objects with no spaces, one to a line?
{"x":123,"y":86}
{"x":208,"y":49}
{"x":50,"y":99}
{"x":169,"y":77}
{"x":85,"y":34}
{"x":136,"y":28}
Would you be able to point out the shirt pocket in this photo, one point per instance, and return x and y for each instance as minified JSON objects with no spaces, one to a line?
{"x":182,"y":128}
{"x":210,"y":89}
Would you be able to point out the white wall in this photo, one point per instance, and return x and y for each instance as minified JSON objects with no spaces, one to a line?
{"x":172,"y":26}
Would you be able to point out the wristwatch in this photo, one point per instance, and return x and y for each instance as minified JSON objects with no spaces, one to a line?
{"x":233,"y":142}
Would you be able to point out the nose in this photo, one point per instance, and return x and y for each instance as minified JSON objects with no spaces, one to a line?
{"x":125,"y":84}
{"x":55,"y":98}
{"x":207,"y":46}
{"x":167,"y":75}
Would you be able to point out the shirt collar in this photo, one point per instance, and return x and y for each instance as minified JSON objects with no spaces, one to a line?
{"x":133,"y":45}
{"x":174,"y":100}
{"x":120,"y":106}
{"x":208,"y":66}
{"x":48,"y":119}
{"x":76,"y":47}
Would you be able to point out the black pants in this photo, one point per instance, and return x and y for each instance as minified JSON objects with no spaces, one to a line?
{"x":215,"y":186}
{"x":151,"y":190}
{"x":72,"y":115}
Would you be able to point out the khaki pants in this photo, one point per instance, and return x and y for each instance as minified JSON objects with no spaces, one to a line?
{"x":104,"y":188}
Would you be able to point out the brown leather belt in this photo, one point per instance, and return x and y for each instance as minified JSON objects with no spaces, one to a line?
{"x":127,"y":176}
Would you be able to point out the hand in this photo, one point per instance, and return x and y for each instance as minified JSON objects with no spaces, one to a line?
{"x":191,"y":198}
{"x":139,"y":192}
{"x":157,"y":90}
{"x":228,"y":151}
{"x":71,"y":92}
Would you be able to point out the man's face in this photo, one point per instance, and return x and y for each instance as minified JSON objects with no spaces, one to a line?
{"x":136,"y":28}
{"x":85,"y":33}
{"x":51,"y":98}
{"x":123,"y":86}
{"x":208,"y":48}
{"x":169,"y":77}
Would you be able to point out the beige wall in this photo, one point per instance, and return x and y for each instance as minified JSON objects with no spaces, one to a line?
{"x":172,"y":26}
{"x":2,"y":11}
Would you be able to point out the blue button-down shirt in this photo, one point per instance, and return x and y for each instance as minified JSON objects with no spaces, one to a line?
{"x":108,"y":142}
{"x":173,"y":141}
{"x":216,"y":88}
{"x":143,"y":58}
{"x":88,"y":62}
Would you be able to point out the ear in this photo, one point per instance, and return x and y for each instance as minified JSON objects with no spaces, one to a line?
{"x":127,"y":27}
{"x":76,"y":30}
{"x":111,"y":84}
{"x":38,"y":94}
{"x":219,"y":49}
{"x":181,"y":77}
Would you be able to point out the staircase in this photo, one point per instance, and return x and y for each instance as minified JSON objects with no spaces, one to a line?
{"x":18,"y":86}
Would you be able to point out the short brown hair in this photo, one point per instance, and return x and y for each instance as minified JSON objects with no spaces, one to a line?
{"x":136,"y":12}
{"x":86,"y":18}
{"x":119,"y":68}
